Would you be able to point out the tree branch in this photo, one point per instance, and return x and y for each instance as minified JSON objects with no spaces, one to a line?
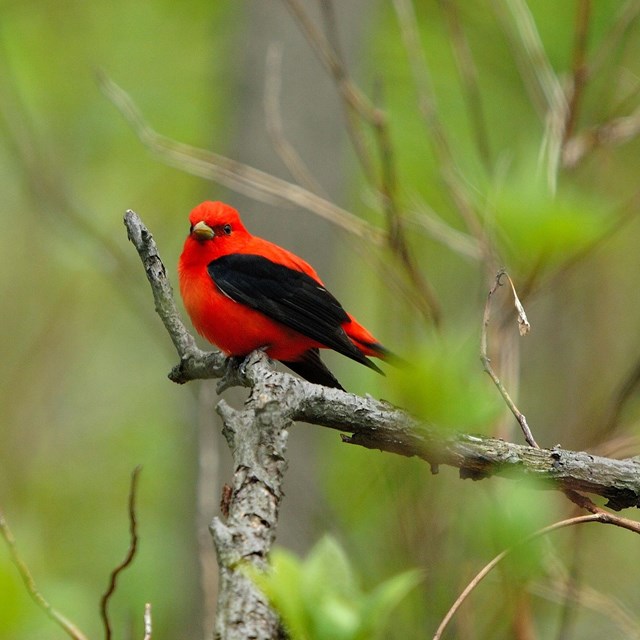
{"x":375,"y":424}
{"x":257,"y":436}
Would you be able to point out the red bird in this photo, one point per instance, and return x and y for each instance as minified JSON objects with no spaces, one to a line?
{"x":244,"y":293}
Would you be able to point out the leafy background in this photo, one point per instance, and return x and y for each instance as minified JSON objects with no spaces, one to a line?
{"x":84,"y":395}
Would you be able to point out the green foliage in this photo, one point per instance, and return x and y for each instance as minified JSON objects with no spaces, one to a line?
{"x":539,"y":229}
{"x":511,"y":514}
{"x":445,"y":383}
{"x":319,"y":598}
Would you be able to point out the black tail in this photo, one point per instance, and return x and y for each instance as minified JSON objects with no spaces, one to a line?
{"x":311,"y":368}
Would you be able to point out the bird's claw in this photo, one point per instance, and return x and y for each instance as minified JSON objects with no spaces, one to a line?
{"x":233,"y":374}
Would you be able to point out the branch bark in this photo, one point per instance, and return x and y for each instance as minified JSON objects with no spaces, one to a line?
{"x":257,"y":436}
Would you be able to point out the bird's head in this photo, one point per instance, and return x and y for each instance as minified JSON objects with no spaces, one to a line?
{"x":216,"y":227}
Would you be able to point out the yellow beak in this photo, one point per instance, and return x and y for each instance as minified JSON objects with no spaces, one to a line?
{"x":202,"y":231}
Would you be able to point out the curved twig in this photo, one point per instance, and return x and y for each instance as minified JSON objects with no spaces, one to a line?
{"x":64,"y":623}
{"x":128,"y":559}
{"x":523,"y":325}
{"x":599,"y":517}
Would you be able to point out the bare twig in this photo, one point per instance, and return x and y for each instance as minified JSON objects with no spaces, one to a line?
{"x":437,"y":134}
{"x":64,"y":623}
{"x":284,"y":149}
{"x":627,"y":15}
{"x":544,"y":87}
{"x":597,"y":517}
{"x":422,"y":217}
{"x":579,"y":66}
{"x":148,"y":629}
{"x":352,"y":115}
{"x":469,"y":77}
{"x":327,"y":55}
{"x":609,"y":134}
{"x":588,"y":505}
{"x":183,"y":341}
{"x":589,"y":598}
{"x":128,"y":559}
{"x":524,"y":327}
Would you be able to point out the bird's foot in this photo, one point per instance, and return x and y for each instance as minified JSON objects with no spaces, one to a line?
{"x":233,"y":375}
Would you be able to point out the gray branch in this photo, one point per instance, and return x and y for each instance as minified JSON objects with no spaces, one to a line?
{"x":257,"y":437}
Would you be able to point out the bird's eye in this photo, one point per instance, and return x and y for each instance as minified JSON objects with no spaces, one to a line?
{"x":227,"y":229}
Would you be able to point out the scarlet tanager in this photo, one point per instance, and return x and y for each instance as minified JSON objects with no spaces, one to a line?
{"x":245,"y":293}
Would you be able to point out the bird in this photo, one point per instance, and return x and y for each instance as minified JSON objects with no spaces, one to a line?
{"x":244,"y":293}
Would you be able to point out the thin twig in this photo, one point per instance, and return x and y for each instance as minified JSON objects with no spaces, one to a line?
{"x":598,"y":517}
{"x":627,"y":15}
{"x":327,"y":55}
{"x":273,"y":120}
{"x":540,"y":79}
{"x":523,"y":325}
{"x":592,"y":599}
{"x":437,"y":135}
{"x":128,"y":559}
{"x":352,"y":116}
{"x":608,"y":134}
{"x":424,"y":218}
{"x":148,"y":628}
{"x":579,"y":68}
{"x":64,"y":623}
{"x":588,"y":505}
{"x":469,"y":77}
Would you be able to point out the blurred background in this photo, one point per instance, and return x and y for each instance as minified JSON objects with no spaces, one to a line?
{"x":511,"y":142}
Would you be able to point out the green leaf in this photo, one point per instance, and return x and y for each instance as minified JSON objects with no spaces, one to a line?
{"x":281,"y":585}
{"x":319,"y":598}
{"x":378,"y":605}
{"x":539,"y":229}
{"x":327,"y":569}
{"x":446,"y":385}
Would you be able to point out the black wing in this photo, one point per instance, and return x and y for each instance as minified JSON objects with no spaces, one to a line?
{"x":291,"y":297}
